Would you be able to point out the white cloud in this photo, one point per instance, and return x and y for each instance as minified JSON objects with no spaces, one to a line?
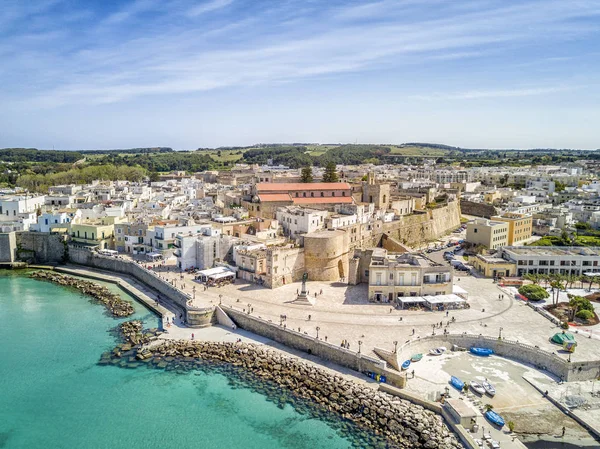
{"x":208,"y":7}
{"x":496,"y":93}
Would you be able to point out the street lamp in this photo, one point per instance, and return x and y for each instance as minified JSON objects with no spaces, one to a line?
{"x":500,"y":333}
{"x":318,"y":329}
{"x":359,"y":345}
{"x":395,"y":347}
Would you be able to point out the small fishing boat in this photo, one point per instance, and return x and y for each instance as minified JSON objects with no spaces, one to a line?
{"x":483,"y":352}
{"x":416,"y":357}
{"x":489,"y":388}
{"x":457,"y":383}
{"x":477,"y":388}
{"x":406,"y":364}
{"x":437,"y":351}
{"x":494,"y":418}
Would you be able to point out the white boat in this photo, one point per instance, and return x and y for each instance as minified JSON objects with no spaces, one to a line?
{"x":477,"y":388}
{"x":489,"y":388}
{"x":437,"y":351}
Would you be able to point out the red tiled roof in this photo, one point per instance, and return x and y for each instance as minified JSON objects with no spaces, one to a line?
{"x":323,"y":200}
{"x":272,"y":197}
{"x":293,"y":186}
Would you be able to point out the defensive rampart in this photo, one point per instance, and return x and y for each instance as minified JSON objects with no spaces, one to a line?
{"x":195,"y":317}
{"x":311,"y":345}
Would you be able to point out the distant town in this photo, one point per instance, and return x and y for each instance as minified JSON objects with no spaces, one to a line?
{"x":386,"y":253}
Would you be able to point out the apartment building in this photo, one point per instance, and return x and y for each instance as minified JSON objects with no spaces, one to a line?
{"x":520,"y":227}
{"x":490,"y":233}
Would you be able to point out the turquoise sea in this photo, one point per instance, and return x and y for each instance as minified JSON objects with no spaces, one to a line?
{"x":54,"y":395}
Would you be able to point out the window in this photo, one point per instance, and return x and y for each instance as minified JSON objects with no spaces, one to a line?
{"x":475,"y":230}
{"x":344,"y":194}
{"x":322,"y":193}
{"x":312,"y":194}
{"x":304,"y":194}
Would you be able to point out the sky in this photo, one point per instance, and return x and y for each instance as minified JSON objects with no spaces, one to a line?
{"x":104,"y":74}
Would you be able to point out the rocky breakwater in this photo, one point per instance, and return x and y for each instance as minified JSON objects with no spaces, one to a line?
{"x":392,"y":422}
{"x":113,"y":302}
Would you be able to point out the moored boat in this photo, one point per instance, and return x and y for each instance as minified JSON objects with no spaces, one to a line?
{"x":457,"y":383}
{"x":483,"y":352}
{"x":437,"y":351}
{"x":477,"y":388}
{"x":489,"y":388}
{"x":494,"y":418}
{"x":416,"y":357}
{"x":406,"y":364}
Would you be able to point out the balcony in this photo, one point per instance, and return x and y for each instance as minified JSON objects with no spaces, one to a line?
{"x":177,"y":252}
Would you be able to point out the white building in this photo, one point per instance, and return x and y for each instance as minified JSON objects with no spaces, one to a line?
{"x":298,"y":220}
{"x":203,"y":251}
{"x":49,"y":220}
{"x":553,"y":259}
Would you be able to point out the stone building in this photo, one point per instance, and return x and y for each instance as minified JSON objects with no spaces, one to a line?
{"x":375,"y":193}
{"x":326,"y":255}
{"x":393,"y":276}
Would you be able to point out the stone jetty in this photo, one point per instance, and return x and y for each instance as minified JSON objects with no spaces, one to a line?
{"x":113,"y":302}
{"x":384,"y":420}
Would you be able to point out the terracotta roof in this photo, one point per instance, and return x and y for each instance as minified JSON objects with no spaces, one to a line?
{"x":323,"y":200}
{"x":271,"y":197}
{"x":287,"y":186}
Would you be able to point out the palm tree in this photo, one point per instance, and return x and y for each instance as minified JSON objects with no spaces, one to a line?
{"x":488,"y":407}
{"x":532,"y":277}
{"x":556,"y":286}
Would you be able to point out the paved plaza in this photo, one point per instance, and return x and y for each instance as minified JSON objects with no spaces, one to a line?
{"x":342,"y":312}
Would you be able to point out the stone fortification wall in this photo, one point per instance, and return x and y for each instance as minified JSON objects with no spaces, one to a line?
{"x":8,"y":247}
{"x":195,"y":317}
{"x":419,"y":228}
{"x":326,"y":255}
{"x":478,"y":209}
{"x":569,"y":371}
{"x":41,"y":247}
{"x":309,"y":344}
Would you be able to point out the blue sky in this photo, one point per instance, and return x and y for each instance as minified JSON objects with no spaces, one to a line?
{"x":187,"y":74}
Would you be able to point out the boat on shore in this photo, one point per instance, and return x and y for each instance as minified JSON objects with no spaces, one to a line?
{"x":457,"y":383}
{"x":494,"y":418}
{"x":483,"y":352}
{"x":477,"y":388}
{"x":406,"y":364}
{"x":416,"y":357}
{"x":489,"y":388}
{"x":437,"y":351}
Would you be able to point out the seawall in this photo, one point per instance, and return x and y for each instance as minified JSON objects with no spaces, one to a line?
{"x":194,"y":316}
{"x":520,"y":352}
{"x":311,"y":345}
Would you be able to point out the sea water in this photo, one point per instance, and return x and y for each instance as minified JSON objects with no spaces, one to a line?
{"x":54,"y":395}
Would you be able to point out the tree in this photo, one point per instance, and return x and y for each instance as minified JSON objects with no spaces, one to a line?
{"x":307,"y":174}
{"x":559,"y":186}
{"x":330,"y":174}
{"x":511,"y":426}
{"x":153,"y":176}
{"x":556,"y":286}
{"x":533,"y":292}
{"x":488,"y":407}
{"x":533,"y":277}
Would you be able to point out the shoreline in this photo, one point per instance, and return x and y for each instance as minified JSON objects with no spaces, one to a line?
{"x":401,"y":423}
{"x":183,"y":332}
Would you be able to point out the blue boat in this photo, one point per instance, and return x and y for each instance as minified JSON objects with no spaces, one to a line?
{"x":457,"y":383}
{"x":483,"y":352}
{"x":494,"y":418}
{"x":406,"y":364}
